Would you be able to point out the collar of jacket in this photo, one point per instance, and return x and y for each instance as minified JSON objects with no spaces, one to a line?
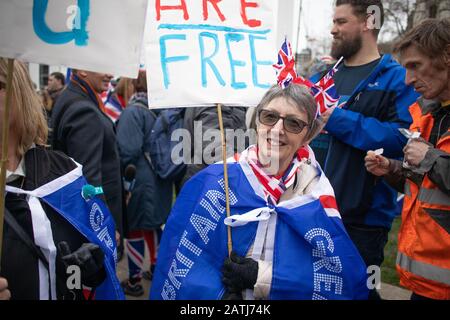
{"x":43,"y":166}
{"x":428,"y":106}
{"x":386,"y":62}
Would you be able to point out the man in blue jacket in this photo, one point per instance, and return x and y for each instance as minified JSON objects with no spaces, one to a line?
{"x":377,"y":101}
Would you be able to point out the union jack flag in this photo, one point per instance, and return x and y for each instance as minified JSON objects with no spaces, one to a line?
{"x":325,"y":94}
{"x":285,"y":67}
{"x":324,"y":91}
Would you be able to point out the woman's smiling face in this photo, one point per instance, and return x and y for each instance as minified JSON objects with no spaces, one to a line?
{"x":277,"y":146}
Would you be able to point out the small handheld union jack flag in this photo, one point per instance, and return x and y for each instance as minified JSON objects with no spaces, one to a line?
{"x":285,"y":67}
{"x":324,"y":91}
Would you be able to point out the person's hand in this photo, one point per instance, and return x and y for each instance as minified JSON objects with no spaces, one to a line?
{"x":327,"y":114}
{"x":415,"y":151}
{"x":117,"y":238}
{"x":89,"y":257}
{"x":4,"y":292}
{"x":376,"y":164}
{"x":239,"y":273}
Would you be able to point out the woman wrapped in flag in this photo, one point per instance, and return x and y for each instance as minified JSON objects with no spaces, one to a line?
{"x":56,"y":244}
{"x":287,"y":236}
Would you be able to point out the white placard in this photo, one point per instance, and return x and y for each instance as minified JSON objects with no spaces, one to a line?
{"x":206,"y":52}
{"x":95,"y":35}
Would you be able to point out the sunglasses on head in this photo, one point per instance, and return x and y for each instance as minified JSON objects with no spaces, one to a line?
{"x":290,"y":123}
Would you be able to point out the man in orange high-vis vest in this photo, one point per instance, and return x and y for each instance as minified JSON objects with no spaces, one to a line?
{"x":423,"y":260}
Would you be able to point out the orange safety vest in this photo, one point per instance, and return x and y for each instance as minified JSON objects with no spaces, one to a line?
{"x":423,"y":259}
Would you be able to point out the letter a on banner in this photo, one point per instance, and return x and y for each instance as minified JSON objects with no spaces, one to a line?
{"x":78,"y":33}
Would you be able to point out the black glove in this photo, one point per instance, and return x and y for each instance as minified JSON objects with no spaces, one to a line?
{"x":89,"y":257}
{"x":239,"y":273}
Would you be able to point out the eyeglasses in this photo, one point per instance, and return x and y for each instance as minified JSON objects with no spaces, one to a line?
{"x":290,"y":123}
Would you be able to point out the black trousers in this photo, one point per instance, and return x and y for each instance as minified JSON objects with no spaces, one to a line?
{"x":370,"y":242}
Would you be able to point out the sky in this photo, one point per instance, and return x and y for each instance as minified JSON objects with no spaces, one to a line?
{"x":315,"y":22}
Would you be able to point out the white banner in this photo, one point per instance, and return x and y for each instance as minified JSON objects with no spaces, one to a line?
{"x":96,"y":35}
{"x":211,"y":51}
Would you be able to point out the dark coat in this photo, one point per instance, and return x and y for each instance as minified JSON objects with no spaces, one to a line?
{"x":151,"y":198}
{"x":88,"y":136}
{"x":19,"y":266}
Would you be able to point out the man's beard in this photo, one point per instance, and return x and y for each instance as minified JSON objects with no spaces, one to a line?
{"x":346,"y":48}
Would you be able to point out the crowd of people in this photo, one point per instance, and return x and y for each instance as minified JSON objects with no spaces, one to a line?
{"x":310,"y":204}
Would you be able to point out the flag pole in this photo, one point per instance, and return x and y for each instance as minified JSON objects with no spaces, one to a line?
{"x":4,"y":156}
{"x":338,"y":63}
{"x":225,"y":175}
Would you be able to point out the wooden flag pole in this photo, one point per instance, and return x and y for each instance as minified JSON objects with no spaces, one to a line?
{"x":4,"y":156}
{"x":225,"y":174}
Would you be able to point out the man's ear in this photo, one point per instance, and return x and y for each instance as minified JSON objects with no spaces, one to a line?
{"x":82,"y":73}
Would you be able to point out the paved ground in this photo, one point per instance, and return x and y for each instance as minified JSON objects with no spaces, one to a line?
{"x":387,"y":291}
{"x":390,"y":292}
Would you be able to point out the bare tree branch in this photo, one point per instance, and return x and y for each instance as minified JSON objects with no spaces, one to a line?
{"x":399,"y":15}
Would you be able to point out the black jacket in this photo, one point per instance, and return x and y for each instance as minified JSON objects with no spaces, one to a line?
{"x":19,"y":266}
{"x":88,"y":136}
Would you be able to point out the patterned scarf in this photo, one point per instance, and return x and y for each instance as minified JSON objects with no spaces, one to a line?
{"x":87,"y":88}
{"x":275,"y":186}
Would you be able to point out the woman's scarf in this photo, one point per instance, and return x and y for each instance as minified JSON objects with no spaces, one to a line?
{"x":274,"y":186}
{"x":87,"y":88}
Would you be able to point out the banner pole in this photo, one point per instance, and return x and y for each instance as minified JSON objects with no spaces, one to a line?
{"x":4,"y":155}
{"x":225,"y":174}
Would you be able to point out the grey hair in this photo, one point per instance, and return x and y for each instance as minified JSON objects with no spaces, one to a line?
{"x":301,"y":98}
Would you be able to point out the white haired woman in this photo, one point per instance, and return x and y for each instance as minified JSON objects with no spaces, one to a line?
{"x":287,"y":237}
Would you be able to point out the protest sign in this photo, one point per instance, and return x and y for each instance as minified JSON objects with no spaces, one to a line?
{"x":210,"y":51}
{"x":101,"y":35}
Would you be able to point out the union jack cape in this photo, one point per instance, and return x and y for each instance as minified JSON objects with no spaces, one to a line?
{"x":312,"y":257}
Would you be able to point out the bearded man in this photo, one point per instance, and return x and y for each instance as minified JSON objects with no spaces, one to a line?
{"x":376,"y":106}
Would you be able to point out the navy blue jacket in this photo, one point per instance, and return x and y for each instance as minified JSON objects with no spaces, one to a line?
{"x":151,"y":198}
{"x":369,"y":121}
